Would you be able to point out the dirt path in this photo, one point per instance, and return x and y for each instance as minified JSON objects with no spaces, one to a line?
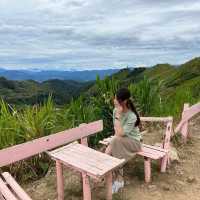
{"x":181,"y":182}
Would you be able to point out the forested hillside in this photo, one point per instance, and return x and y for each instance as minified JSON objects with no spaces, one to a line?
{"x":31,"y":92}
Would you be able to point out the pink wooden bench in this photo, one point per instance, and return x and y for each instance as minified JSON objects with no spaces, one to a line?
{"x":150,"y":152}
{"x":87,"y":161}
{"x":22,"y":151}
{"x":10,"y":189}
{"x":187,"y":114}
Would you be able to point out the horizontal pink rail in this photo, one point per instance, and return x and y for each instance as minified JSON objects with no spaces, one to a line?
{"x":187,"y":115}
{"x":15,"y":187}
{"x":156,"y":119}
{"x":19,"y":152}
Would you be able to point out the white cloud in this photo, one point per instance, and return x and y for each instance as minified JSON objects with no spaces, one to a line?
{"x":97,"y":33}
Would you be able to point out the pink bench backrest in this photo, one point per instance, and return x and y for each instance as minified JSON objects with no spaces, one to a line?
{"x":169,"y":125}
{"x":22,"y":151}
{"x":187,"y":114}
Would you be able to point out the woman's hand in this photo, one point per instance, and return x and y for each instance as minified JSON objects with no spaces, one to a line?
{"x":118,"y":108}
{"x":117,"y":124}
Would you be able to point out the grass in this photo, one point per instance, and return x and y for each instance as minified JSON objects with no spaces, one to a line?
{"x":30,"y":122}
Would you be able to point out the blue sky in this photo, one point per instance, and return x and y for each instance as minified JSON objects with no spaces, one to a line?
{"x":79,"y":34}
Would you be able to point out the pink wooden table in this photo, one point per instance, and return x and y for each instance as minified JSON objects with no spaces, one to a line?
{"x":89,"y":162}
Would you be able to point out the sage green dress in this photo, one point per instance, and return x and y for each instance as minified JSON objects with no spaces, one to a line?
{"x":126,"y":146}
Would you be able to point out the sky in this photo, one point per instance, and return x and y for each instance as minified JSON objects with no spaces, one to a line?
{"x":97,"y":34}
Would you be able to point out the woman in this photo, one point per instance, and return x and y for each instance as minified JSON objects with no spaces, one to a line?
{"x":126,"y":141}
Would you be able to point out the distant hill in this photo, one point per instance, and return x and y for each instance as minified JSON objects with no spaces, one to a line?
{"x":32,"y":92}
{"x":40,"y":76}
{"x":172,"y":77}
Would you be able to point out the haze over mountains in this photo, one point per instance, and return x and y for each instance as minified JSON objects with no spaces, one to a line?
{"x":29,"y":92}
{"x":43,"y":75}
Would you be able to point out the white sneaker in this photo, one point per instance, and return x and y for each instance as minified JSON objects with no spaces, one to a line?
{"x":117,"y":185}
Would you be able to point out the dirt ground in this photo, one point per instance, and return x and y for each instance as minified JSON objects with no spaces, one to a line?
{"x":180,"y":182}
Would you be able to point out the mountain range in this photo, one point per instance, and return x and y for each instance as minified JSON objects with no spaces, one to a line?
{"x":172,"y":78}
{"x":43,"y":75}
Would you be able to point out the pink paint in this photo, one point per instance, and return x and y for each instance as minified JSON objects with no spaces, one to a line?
{"x":60,"y":180}
{"x":5,"y":191}
{"x":147,"y":169}
{"x":109,"y":186}
{"x":86,"y":187}
{"x":22,"y":151}
{"x":187,"y":114}
{"x":15,"y":187}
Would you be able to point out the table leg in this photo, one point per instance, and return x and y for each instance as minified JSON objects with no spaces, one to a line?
{"x":86,"y":187}
{"x":147,"y":169}
{"x":60,"y":180}
{"x":109,"y":186}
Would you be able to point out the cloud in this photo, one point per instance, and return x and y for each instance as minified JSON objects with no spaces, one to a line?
{"x":97,"y":33}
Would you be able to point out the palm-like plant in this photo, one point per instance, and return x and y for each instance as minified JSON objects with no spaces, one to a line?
{"x":9,"y":126}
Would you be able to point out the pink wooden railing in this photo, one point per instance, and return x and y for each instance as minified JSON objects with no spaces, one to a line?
{"x":187,"y":114}
{"x":22,"y":151}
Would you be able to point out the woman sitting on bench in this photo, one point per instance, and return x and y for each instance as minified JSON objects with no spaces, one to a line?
{"x":126,"y":140}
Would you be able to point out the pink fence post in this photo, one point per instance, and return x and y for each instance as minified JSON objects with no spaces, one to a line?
{"x":184,"y":129}
{"x":147,"y":169}
{"x":109,"y":186}
{"x":60,"y":180}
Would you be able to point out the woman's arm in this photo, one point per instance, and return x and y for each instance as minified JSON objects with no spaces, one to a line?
{"x":117,"y":124}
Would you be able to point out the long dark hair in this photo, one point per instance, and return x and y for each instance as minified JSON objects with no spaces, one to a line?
{"x":124,"y":94}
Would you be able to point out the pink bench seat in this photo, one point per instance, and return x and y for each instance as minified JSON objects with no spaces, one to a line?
{"x":150,"y":152}
{"x":10,"y":189}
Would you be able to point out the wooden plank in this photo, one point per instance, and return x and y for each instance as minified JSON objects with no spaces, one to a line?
{"x":19,"y":152}
{"x":191,"y":111}
{"x":150,"y":153}
{"x":96,"y":155}
{"x":156,"y":119}
{"x":187,"y":115}
{"x":93,"y":161}
{"x":73,"y":161}
{"x":86,"y":159}
{"x":8,"y":195}
{"x":155,"y":154}
{"x":155,"y":148}
{"x":85,"y":150}
{"x":15,"y":187}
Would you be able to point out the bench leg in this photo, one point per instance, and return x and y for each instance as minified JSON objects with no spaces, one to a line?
{"x":109,"y":186}
{"x":60,"y":180}
{"x":147,"y":169}
{"x":164,"y":162}
{"x":86,"y":187}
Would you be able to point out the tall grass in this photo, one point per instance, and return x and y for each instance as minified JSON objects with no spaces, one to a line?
{"x":146,"y":95}
{"x":18,"y":126}
{"x":9,"y":126}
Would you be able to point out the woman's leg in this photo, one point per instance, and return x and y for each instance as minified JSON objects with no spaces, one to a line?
{"x":108,"y":150}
